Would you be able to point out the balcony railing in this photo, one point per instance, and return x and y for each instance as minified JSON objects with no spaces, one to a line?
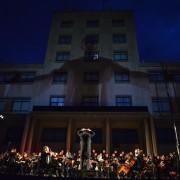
{"x":91,"y":109}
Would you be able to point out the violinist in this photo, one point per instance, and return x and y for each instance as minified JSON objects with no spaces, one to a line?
{"x":106,"y":166}
{"x":12,"y":158}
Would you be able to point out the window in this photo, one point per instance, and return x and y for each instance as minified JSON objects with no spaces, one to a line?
{"x":60,"y":77}
{"x":90,"y":101}
{"x":121,"y":77}
{"x":6,"y":77}
{"x":119,"y":38}
{"x":120,"y":55}
{"x":57,"y":100}
{"x":62,"y":56}
{"x":118,"y":23}
{"x":156,"y":76}
{"x":22,"y":105}
{"x":66,"y":39}
{"x":2,"y":104}
{"x":160,"y":105}
{"x":92,"y":23}
{"x":92,"y":39}
{"x":123,"y":101}
{"x":27,"y":77}
{"x":67,"y":24}
{"x":54,"y":135}
{"x":91,"y":76}
{"x":91,"y":55}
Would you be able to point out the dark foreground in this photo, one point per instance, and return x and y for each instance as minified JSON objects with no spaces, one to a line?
{"x":16,"y":177}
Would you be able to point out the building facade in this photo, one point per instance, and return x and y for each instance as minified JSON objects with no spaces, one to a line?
{"x":91,"y":78}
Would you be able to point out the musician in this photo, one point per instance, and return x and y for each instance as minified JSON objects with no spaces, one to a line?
{"x":68,"y":164}
{"x":75,"y":166}
{"x":93,"y":161}
{"x":149,"y":169}
{"x":172,"y":165}
{"x":59,"y":167}
{"x":103,"y":153}
{"x":11,"y":162}
{"x":112,"y":156}
{"x":106,"y":166}
{"x":137,"y":152}
{"x":121,"y":157}
{"x":35,"y":164}
{"x":139,"y":160}
{"x":125,"y":169}
{"x":12,"y":158}
{"x":68,"y":155}
{"x":54,"y":164}
{"x":161,"y":167}
{"x":113,"y":167}
{"x":61,"y":159}
{"x":61,"y":153}
{"x":93,"y":152}
{"x":25,"y":163}
{"x":100,"y":161}
{"x":45,"y":160}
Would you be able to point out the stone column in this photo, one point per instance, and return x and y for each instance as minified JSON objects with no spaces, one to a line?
{"x":25,"y":133}
{"x":107,"y":136}
{"x":30,"y":137}
{"x":147,"y":136}
{"x":68,"y":136}
{"x":153,"y":134}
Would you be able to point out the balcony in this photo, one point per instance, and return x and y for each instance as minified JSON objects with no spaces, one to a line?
{"x":91,"y":109}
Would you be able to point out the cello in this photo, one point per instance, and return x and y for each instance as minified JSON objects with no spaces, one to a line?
{"x":125,"y":168}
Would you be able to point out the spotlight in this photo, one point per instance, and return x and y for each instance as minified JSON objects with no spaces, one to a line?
{"x":1,"y":117}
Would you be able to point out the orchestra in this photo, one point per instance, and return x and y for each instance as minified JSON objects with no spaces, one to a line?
{"x":104,"y":165}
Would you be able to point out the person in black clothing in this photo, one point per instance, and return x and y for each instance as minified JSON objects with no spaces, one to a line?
{"x":45,"y":161}
{"x":138,"y":166}
{"x":11,"y":161}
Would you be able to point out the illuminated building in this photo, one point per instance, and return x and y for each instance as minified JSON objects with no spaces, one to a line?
{"x":92,"y":78}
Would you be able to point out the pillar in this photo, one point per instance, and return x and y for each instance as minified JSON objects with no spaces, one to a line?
{"x":25,"y":133}
{"x":147,"y":136}
{"x":153,"y":134}
{"x":68,"y":136}
{"x":30,"y":137}
{"x":107,"y":136}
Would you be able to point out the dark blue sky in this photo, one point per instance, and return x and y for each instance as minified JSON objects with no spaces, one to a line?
{"x":25,"y":25}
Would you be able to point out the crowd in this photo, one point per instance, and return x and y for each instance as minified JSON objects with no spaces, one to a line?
{"x":102,"y":165}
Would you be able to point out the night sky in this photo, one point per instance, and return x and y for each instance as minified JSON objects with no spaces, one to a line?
{"x":25,"y":25}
